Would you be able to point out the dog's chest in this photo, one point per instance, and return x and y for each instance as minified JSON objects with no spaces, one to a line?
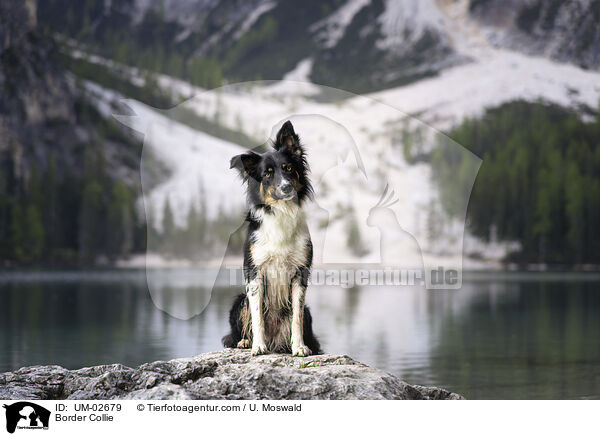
{"x":281,"y":241}
{"x":280,"y":247}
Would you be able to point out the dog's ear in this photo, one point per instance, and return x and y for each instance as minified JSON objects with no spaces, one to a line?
{"x":288,"y":140}
{"x":245,"y":163}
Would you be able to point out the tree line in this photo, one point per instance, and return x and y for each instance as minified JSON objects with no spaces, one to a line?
{"x":539,"y":182}
{"x":199,"y":238}
{"x":58,"y":217}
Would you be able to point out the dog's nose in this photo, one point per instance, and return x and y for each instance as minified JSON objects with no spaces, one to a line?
{"x":287,"y":189}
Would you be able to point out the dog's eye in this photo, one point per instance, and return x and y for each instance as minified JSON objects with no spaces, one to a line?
{"x":269,"y":172}
{"x":286,"y":167}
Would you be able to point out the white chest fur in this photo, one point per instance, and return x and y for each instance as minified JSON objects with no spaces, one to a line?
{"x":280,"y":246}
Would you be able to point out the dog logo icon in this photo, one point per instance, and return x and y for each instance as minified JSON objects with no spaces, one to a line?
{"x":26,"y":415}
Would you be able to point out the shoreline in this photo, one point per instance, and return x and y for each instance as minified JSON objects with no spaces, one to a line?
{"x":110,"y":274}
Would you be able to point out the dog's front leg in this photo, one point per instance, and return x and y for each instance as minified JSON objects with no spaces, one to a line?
{"x":298,"y":294}
{"x":255,"y":292}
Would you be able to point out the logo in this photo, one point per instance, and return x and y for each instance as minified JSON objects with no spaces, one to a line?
{"x":26,"y":415}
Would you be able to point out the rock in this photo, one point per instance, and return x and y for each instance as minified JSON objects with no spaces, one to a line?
{"x":566,"y":31}
{"x":227,"y":374}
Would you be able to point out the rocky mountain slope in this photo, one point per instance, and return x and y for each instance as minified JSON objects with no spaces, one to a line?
{"x":568,"y":31}
{"x":446,"y":55}
{"x":492,"y":77}
{"x":42,"y":112}
{"x":357,"y":45}
{"x":60,"y":158}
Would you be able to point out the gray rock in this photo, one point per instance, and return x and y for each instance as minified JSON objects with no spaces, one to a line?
{"x":227,"y":374}
{"x":566,"y":31}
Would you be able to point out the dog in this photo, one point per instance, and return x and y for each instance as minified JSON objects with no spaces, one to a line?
{"x":271,"y":316}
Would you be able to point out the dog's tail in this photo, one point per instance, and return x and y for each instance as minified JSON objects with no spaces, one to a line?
{"x":229,"y":341}
{"x":310,"y":340}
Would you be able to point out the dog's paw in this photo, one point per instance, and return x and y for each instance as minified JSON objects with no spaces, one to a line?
{"x":300,"y":350}
{"x":258,"y":348}
{"x":244,"y":343}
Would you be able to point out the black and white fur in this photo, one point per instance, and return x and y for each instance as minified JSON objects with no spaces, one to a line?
{"x":271,"y":315}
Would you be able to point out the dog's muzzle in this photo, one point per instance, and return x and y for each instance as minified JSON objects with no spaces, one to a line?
{"x":285,"y":191}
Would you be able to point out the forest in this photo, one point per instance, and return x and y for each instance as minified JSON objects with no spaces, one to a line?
{"x":539,"y":182}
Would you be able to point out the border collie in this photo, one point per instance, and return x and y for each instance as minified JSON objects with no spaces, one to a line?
{"x":271,"y":315}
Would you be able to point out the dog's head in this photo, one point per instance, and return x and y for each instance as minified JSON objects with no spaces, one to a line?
{"x":276,"y":176}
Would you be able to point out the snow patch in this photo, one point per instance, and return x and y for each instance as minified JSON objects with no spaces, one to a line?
{"x":253,"y":18}
{"x":198,"y":162}
{"x":406,"y":21}
{"x":332,"y":29}
{"x":467,"y":90}
{"x":294,"y":83}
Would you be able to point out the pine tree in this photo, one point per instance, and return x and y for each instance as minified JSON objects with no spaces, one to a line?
{"x":120,"y":221}
{"x":5,"y":218}
{"x":34,"y":234}
{"x":168,"y":229}
{"x":91,"y":221}
{"x":50,"y":189}
{"x":17,"y":232}
{"x":575,"y":211}
{"x":353,"y":238}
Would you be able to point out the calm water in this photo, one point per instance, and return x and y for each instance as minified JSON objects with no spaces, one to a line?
{"x":503,"y":335}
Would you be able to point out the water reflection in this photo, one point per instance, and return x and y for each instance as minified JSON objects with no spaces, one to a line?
{"x":182,"y":294}
{"x":519,"y":339}
{"x":500,"y":336}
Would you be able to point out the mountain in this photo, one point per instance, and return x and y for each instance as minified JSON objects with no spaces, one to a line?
{"x":65,"y":168}
{"x":357,"y":45}
{"x":42,"y":111}
{"x":456,"y":66}
{"x":568,"y":31}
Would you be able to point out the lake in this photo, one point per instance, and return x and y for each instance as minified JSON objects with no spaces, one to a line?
{"x":502,"y":336}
